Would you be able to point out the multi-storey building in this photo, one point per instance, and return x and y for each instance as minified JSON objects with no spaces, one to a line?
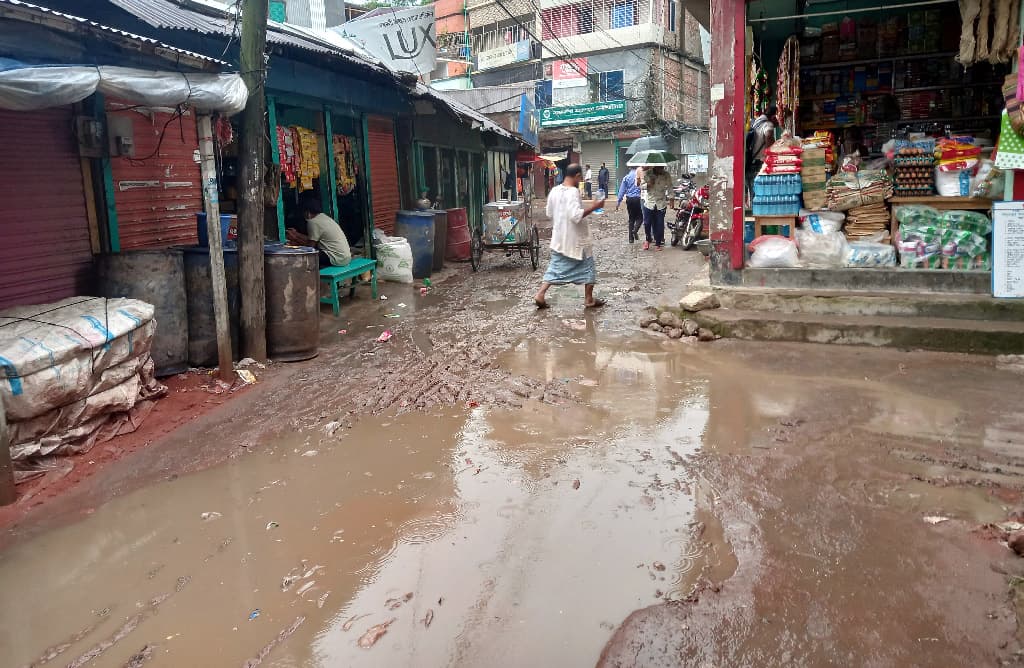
{"x":605,"y":71}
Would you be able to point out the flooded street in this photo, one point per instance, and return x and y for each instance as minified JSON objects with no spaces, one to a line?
{"x":499,"y":486}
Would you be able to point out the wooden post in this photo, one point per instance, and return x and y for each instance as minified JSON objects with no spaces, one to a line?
{"x":217,"y":277}
{"x":250,"y":178}
{"x":8,"y":494}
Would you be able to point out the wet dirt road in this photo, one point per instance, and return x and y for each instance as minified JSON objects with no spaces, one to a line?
{"x":502,"y":487}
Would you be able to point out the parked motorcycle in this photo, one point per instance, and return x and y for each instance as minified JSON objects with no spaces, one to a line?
{"x":690,"y":222}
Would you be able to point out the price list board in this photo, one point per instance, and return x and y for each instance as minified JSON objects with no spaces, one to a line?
{"x":1008,"y":250}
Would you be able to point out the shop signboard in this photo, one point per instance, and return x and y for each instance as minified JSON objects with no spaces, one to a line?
{"x":697,"y":164}
{"x":528,"y":123}
{"x":1008,"y":249}
{"x":569,"y":73}
{"x":405,"y":39}
{"x":583,"y":114}
{"x":504,"y":55}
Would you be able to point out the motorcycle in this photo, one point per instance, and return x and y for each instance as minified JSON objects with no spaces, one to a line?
{"x":691,"y":220}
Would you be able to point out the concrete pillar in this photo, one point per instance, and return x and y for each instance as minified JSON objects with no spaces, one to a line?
{"x":725,"y":176}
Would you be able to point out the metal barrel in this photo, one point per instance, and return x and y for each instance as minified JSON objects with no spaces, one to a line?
{"x":292,"y":278}
{"x":458,"y":236}
{"x":440,"y":238}
{"x":202,"y":324}
{"x":158,"y":278}
{"x":418,"y":229}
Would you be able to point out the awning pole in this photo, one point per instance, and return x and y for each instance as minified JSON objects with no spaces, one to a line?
{"x":218,"y":278}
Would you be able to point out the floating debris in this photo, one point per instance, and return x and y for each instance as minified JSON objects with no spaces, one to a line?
{"x":374,"y":633}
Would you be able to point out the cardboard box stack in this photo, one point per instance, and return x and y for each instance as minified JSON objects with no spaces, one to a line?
{"x":814,"y":175}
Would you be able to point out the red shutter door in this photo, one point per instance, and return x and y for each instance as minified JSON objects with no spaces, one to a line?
{"x":158,"y":192}
{"x":45,"y":254}
{"x":383,"y":173}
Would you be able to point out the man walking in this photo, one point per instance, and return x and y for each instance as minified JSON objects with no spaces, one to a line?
{"x":587,"y":181}
{"x":630,"y":190}
{"x":572,"y":253}
{"x":602,"y":178}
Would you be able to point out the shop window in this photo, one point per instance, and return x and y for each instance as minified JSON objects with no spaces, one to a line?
{"x":586,"y":20}
{"x":542,"y":95}
{"x":560,"y":22}
{"x":672,"y":16}
{"x":611,"y":86}
{"x":624,"y":13}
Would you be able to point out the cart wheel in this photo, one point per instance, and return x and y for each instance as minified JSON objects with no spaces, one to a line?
{"x":476,"y":250}
{"x":535,"y":248}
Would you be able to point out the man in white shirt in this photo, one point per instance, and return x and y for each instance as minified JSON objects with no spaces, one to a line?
{"x":322,"y":233}
{"x":572,"y":254}
{"x":588,"y":180}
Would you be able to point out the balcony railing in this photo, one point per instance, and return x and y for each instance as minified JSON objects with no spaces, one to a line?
{"x":454,"y":47}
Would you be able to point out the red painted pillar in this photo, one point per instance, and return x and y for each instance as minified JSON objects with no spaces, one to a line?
{"x":728,"y":19}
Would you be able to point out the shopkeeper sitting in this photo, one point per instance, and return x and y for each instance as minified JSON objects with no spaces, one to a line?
{"x":322,"y":233}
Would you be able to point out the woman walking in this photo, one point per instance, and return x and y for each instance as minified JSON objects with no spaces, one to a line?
{"x":654,"y":198}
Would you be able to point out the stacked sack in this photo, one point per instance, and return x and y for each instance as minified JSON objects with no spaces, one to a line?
{"x":931,"y":239}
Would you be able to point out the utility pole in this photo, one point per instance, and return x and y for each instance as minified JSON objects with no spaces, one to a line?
{"x":250,"y":177}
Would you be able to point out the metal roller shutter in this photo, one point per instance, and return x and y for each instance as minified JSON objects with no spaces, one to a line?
{"x":596,"y":152}
{"x":157,"y":197}
{"x":383,"y":172}
{"x":45,"y":253}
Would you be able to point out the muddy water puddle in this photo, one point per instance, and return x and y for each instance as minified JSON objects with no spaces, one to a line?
{"x":472,"y":535}
{"x":525,"y":534}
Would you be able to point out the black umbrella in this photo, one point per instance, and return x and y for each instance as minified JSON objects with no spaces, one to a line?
{"x":652,"y":143}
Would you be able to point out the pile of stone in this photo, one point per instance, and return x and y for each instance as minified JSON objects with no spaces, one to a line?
{"x":675,"y":326}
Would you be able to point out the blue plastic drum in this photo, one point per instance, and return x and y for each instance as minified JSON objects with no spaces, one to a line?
{"x":418,"y":228}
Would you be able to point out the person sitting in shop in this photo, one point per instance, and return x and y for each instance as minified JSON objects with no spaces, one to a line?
{"x":322,"y":233}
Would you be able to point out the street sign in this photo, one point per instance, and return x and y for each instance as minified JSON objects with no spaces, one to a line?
{"x":582,"y":114}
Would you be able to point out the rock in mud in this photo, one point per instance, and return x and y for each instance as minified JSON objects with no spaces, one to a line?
{"x":655,"y":327}
{"x":670,"y":320}
{"x":705,"y":334}
{"x":699,"y":301}
{"x":1016,"y":542}
{"x":647,"y":320}
{"x":690,"y":327}
{"x":676,"y":333}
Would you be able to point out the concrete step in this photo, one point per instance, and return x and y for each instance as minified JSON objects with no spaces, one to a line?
{"x":869,"y":280}
{"x":852,"y":303}
{"x":990,"y":337}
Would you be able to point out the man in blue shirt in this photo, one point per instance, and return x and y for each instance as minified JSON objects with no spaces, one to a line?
{"x":630,"y":189}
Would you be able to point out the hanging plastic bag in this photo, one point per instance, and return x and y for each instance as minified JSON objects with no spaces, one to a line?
{"x":773,"y":251}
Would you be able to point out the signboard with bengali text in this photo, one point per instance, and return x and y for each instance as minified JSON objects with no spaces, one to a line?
{"x":583,"y":114}
{"x":504,"y":55}
{"x":569,"y":73}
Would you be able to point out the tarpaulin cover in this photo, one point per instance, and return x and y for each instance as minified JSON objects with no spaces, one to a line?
{"x":75,"y":371}
{"x":29,"y":88}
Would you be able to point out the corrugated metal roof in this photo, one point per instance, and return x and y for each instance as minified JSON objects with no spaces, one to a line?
{"x":493,"y":99}
{"x":163,"y":14}
{"x":72,"y":20}
{"x":461,"y":110}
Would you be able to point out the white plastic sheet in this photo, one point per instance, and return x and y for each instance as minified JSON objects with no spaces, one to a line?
{"x":30,"y":88}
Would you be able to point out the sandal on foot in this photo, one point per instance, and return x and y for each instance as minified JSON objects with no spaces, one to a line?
{"x":541,"y":304}
{"x":598,"y":303}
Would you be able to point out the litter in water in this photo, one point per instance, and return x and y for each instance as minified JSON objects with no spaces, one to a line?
{"x":210,"y":515}
{"x":392,"y":315}
{"x":310,"y":453}
{"x":374,"y":633}
{"x":383,"y":298}
{"x":347,"y":626}
{"x":935,"y":519}
{"x":428,"y":618}
{"x":272,"y":525}
{"x":342,"y":331}
{"x":254,"y":614}
{"x":385,"y":336}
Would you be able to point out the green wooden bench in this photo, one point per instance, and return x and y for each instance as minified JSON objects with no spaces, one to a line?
{"x":335,"y":276}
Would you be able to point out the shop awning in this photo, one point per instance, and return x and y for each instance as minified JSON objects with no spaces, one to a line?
{"x":554,"y":157}
{"x":26,"y":88}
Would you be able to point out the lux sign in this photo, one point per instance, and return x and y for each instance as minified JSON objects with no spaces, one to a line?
{"x":404,"y":38}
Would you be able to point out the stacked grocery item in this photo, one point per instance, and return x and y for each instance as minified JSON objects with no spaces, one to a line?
{"x":931,"y":239}
{"x":868,"y":222}
{"x":915,"y":173}
{"x":955,"y":160}
{"x":777,"y":186}
{"x":818,"y":155}
{"x":849,"y":190}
